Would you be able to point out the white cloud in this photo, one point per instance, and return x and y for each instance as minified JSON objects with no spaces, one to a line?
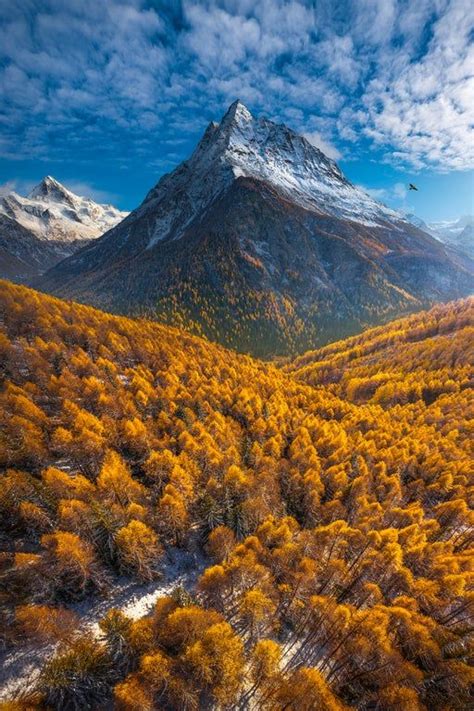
{"x":422,"y":108}
{"x":7,"y":187}
{"x":103,"y":74}
{"x":323,"y":144}
{"x":20,"y":186}
{"x":400,"y":191}
{"x":377,"y":193}
{"x":395,"y":194}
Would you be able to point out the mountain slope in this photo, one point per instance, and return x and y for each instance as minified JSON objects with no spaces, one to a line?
{"x":260,"y":242}
{"x":51,"y":223}
{"x":321,"y":548}
{"x":404,"y":361}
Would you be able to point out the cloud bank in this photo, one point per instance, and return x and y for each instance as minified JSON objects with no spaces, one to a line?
{"x":87,"y":80}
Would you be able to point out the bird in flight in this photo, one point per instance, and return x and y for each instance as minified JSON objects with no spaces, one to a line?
{"x":412,"y":187}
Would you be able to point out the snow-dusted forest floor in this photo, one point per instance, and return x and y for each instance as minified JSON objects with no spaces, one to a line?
{"x":20,"y":668}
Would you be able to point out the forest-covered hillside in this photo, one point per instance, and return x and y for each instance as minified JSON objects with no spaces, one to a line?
{"x":420,"y":357}
{"x":329,"y":498}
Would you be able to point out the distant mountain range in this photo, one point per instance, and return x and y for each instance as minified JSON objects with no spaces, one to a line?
{"x":260,"y":242}
{"x":458,"y":234}
{"x":51,"y":223}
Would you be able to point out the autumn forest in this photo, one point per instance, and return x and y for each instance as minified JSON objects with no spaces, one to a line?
{"x":325,"y":501}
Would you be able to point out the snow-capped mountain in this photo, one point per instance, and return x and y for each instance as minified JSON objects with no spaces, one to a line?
{"x":242,"y":146}
{"x":260,"y":241}
{"x":456,"y":233}
{"x":48,"y":225}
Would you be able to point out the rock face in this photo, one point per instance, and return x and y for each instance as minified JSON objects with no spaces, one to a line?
{"x":51,"y":223}
{"x":260,"y":242}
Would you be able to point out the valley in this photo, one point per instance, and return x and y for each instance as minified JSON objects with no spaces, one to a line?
{"x":326,"y":501}
{"x":236,"y":355}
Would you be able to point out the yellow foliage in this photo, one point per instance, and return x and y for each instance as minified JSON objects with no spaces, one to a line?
{"x":115,"y":481}
{"x":332,"y":492}
{"x":139,"y":549}
{"x":45,"y":624}
{"x":216,"y":659}
{"x":133,"y":695}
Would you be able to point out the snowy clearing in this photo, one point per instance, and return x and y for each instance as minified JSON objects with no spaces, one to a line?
{"x":19,"y":669}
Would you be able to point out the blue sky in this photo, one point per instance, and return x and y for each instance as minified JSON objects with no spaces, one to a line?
{"x":107,"y":95}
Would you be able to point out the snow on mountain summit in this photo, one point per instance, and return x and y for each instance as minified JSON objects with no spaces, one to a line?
{"x":455,"y":233}
{"x":50,"y":189}
{"x":262,"y":149}
{"x":52,"y":212}
{"x":49,"y":224}
{"x":244,"y":146}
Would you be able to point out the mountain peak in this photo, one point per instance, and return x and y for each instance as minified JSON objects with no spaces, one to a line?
{"x":244,"y":146}
{"x":46,"y":226}
{"x":48,"y":182}
{"x":50,"y":188}
{"x":237,"y":111}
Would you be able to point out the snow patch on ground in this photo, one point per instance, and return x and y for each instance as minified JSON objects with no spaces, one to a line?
{"x":19,"y":669}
